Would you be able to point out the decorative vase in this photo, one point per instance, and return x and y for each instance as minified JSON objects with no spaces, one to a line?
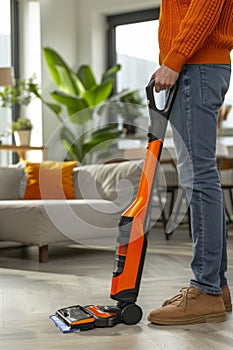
{"x":22,"y":137}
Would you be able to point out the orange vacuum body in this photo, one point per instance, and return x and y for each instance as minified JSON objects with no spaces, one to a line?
{"x":132,"y":237}
{"x":133,"y":224}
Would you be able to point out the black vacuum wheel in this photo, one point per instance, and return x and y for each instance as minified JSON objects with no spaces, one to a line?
{"x":131,"y":314}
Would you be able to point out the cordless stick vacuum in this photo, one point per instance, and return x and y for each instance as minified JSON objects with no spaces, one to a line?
{"x":132,"y":239}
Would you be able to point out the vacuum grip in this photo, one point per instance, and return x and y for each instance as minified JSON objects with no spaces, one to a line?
{"x":169,"y":99}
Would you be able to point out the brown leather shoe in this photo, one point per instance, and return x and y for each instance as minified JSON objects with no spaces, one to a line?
{"x":189,"y":307}
{"x":226,"y":295}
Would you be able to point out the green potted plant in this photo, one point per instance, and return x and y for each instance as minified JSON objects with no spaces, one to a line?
{"x":77,"y":95}
{"x":21,"y":95}
{"x":21,"y":128}
{"x":129,"y":106}
{"x":80,"y":96}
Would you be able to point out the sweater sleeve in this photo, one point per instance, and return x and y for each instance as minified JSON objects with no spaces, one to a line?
{"x":200,"y":20}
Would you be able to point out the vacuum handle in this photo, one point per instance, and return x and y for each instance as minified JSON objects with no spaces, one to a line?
{"x":169,"y":101}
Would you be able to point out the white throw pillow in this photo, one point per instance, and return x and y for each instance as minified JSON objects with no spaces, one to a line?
{"x":116,"y":182}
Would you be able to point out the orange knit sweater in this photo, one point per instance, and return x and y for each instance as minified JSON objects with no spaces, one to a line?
{"x":195,"y":32}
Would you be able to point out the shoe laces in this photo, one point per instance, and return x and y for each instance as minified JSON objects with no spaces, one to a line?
{"x":182,"y":298}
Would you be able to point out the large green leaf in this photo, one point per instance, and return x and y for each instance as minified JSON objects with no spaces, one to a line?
{"x":67,"y":83}
{"x":53,"y":59}
{"x":111,"y":73}
{"x":81,"y":117}
{"x":77,"y":108}
{"x":72,"y":102}
{"x":71,"y":151}
{"x":60,"y":71}
{"x":99,"y":94}
{"x":79,"y":84}
{"x":54,"y":107}
{"x":86,"y":76}
{"x":97,"y":144}
{"x":102,"y":140}
{"x":113,"y":127}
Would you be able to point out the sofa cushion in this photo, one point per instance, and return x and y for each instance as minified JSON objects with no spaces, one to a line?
{"x":116,"y":182}
{"x":10,"y":178}
{"x":92,"y":222}
{"x":49,"y":180}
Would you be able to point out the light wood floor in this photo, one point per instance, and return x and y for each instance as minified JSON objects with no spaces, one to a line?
{"x":30,"y":292}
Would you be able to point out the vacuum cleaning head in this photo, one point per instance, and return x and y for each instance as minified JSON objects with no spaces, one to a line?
{"x":82,"y":318}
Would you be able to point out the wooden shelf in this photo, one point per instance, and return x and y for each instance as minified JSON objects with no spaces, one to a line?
{"x":21,"y":150}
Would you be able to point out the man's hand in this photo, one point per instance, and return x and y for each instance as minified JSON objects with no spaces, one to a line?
{"x":165,"y":78}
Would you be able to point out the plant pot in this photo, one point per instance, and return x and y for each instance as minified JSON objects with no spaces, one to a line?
{"x":22,"y":137}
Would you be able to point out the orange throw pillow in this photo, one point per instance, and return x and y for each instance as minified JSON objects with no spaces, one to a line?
{"x":49,"y":180}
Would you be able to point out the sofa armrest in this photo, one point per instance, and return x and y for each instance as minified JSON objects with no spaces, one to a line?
{"x":10,"y":178}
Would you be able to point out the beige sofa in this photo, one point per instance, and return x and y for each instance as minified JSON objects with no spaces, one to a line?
{"x":102,"y":193}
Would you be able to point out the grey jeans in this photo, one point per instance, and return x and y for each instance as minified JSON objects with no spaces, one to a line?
{"x":201,"y":91}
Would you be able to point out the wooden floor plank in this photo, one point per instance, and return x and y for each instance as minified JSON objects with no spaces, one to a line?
{"x":30,"y":292}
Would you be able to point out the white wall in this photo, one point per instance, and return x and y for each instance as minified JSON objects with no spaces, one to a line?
{"x":77,"y":30}
{"x":59,"y":31}
{"x":92,"y":26}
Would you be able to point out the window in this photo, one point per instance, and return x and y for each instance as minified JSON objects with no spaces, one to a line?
{"x":8,"y":57}
{"x":137,"y":52}
{"x":5,"y":60}
{"x":5,"y":33}
{"x":133,"y":43}
{"x":30,"y":55}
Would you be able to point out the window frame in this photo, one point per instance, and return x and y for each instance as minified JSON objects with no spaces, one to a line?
{"x":15,"y":47}
{"x":121,"y":19}
{"x":14,"y":59}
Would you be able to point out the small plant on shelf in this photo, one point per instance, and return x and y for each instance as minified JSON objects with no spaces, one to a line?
{"x":21,"y":128}
{"x":21,"y":124}
{"x":19,"y":96}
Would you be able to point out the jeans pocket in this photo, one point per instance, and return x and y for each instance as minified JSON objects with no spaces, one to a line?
{"x":215,"y":80}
